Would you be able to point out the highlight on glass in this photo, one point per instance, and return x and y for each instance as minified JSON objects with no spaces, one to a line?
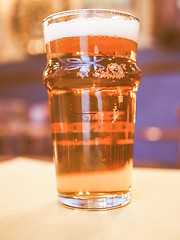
{"x":92,"y":79}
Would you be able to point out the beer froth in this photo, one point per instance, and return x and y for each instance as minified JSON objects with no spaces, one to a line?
{"x":110,"y":27}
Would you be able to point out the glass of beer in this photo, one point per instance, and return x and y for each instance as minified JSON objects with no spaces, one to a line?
{"x":92,"y":79}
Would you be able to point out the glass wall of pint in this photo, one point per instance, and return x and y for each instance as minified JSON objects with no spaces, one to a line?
{"x":92,"y":78}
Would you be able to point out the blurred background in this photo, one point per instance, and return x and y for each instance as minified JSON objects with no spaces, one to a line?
{"x":24,"y":113}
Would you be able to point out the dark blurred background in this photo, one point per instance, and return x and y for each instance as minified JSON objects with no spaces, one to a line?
{"x":24,"y":113}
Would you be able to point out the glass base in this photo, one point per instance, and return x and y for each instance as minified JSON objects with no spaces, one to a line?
{"x":105,"y":203}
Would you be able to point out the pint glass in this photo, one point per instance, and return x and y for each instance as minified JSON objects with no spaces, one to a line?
{"x":91,"y":79}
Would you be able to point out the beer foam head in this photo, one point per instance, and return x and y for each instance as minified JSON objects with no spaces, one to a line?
{"x":112,"y":27}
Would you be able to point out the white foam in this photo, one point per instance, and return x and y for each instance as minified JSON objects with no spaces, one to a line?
{"x":112,"y":27}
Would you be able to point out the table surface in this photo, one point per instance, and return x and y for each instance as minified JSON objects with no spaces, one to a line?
{"x":29,"y":209}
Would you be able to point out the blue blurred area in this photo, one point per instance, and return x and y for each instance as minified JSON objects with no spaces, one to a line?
{"x":158,"y":98}
{"x":31,"y":93}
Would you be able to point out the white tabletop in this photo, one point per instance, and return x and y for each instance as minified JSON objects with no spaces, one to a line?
{"x":29,"y":209}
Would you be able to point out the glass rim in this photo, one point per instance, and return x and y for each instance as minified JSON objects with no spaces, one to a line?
{"x":93,"y":10}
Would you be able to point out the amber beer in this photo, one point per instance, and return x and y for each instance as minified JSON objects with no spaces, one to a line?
{"x":92,"y":78}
